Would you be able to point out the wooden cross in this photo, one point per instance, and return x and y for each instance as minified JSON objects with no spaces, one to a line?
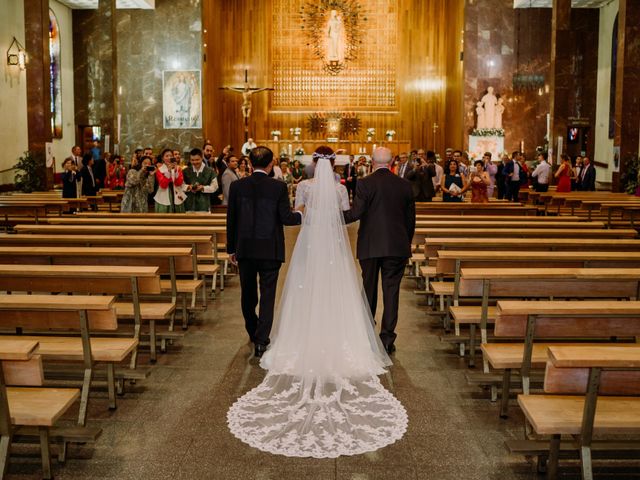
{"x":247,"y":90}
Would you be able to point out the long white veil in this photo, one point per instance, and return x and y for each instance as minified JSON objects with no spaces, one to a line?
{"x":321,"y":396}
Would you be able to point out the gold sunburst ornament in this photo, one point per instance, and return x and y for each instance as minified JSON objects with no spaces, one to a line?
{"x":334,"y":30}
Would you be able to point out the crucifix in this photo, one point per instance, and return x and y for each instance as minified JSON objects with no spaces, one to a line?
{"x":247,"y":90}
{"x":435,"y":128}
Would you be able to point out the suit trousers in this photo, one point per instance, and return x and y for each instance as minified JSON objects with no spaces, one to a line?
{"x":391,"y":269}
{"x":258,"y":325}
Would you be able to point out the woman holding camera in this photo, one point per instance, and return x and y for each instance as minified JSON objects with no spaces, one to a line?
{"x":170,"y":196}
{"x":138,"y":186}
{"x":116,"y":174}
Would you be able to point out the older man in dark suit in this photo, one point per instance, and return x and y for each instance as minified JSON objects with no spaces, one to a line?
{"x":385,"y":206}
{"x":258,"y":208}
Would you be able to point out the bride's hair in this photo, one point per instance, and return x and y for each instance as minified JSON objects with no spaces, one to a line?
{"x":324,"y":152}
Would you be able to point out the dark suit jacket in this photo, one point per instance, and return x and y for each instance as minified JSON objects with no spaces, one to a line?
{"x":258,"y":208}
{"x":70,"y":184}
{"x":588,"y":182}
{"x":88,"y":187}
{"x":386,"y":209}
{"x":100,"y":172}
{"x":422,"y":182}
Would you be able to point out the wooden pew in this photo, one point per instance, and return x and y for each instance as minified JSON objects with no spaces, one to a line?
{"x":432,"y":245}
{"x":608,"y":379}
{"x":78,"y":314}
{"x":552,"y":319}
{"x":175,"y":221}
{"x":540,"y":283}
{"x":171,"y":261}
{"x":133,"y":281}
{"x":492,"y":224}
{"x":26,"y":401}
{"x":219,"y":234}
{"x":466,"y":208}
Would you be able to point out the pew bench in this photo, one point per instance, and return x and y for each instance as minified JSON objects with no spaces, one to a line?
{"x":541,"y":283}
{"x":24,"y":401}
{"x":75,"y":317}
{"x":569,"y":320}
{"x":588,"y":391}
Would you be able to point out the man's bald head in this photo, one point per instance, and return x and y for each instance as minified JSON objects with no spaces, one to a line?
{"x":381,"y":157}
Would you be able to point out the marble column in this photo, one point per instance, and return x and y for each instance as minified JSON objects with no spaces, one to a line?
{"x":627,"y":116}
{"x":36,"y":22}
{"x":560,"y":73}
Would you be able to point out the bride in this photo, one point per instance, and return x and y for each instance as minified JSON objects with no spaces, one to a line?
{"x":321,"y":396}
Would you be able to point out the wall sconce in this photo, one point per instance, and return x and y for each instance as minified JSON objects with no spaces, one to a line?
{"x":17,"y":55}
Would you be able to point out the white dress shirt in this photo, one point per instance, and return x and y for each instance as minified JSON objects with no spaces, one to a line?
{"x":542,"y":172}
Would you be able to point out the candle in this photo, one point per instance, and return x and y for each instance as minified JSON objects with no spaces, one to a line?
{"x":290,"y":149}
{"x":522,"y":146}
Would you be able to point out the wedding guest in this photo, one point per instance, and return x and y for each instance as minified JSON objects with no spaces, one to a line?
{"x":70,"y":179}
{"x":244,"y":167}
{"x":501,"y":181}
{"x":95,"y":151}
{"x":207,"y":154}
{"x":421,"y":178}
{"x":577,"y":171}
{"x":247,"y":147}
{"x":200,"y":182}
{"x":511,"y":174}
{"x":148,"y":152}
{"x":88,"y":185}
{"x":276,"y":171}
{"x":100,"y":170}
{"x":138,"y":185}
{"x":170,"y":195}
{"x":76,"y":157}
{"x":492,"y":170}
{"x":222,"y":160}
{"x":116,"y":174}
{"x":296,"y":172}
{"x":286,"y":176}
{"x":542,"y":173}
{"x":362,"y":170}
{"x":480,"y":181}
{"x":229,"y":176}
{"x":462,"y":168}
{"x":453,"y":184}
{"x":350,"y":175}
{"x":178,"y":156}
{"x":587,"y":179}
{"x":563,"y":174}
{"x":404,"y":166}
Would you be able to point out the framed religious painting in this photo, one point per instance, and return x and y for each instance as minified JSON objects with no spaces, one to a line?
{"x":181,"y":99}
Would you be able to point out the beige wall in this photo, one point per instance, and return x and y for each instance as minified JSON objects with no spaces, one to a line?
{"x":13,"y":90}
{"x":62,"y":147}
{"x":603,"y":144}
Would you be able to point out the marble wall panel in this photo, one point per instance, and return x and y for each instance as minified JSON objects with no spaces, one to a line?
{"x":498,"y":42}
{"x":148,"y":42}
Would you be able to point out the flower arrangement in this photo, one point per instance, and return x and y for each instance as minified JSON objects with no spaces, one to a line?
{"x":276,"y":133}
{"x":488,"y":132}
{"x":299,"y":151}
{"x":390,"y":133}
{"x":371,"y":132}
{"x":295,"y":131}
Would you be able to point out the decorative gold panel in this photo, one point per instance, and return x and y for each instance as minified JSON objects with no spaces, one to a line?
{"x":367,"y":82}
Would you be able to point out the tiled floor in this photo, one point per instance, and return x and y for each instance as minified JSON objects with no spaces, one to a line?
{"x":173,"y":424}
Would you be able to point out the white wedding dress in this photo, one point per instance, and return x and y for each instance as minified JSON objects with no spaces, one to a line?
{"x":321,"y":396}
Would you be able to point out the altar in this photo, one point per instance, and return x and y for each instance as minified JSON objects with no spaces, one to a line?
{"x":290,"y":146}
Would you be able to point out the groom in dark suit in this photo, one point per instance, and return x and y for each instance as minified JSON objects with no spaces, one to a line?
{"x":386,"y":209}
{"x":258,"y":208}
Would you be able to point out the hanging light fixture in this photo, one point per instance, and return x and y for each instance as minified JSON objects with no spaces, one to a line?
{"x":17,"y":55}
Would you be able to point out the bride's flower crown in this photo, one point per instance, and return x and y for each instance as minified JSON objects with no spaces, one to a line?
{"x":322,"y":156}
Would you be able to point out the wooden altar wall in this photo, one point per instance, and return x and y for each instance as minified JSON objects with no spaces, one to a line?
{"x":429,"y":82}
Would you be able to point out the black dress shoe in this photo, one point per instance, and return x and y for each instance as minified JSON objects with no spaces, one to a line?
{"x":390,"y":348}
{"x":260,"y":349}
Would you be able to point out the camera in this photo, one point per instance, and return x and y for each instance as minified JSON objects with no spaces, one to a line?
{"x":150,"y":168}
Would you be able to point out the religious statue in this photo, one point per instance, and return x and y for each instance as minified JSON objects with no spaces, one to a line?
{"x":489,"y":103}
{"x":499,"y":111}
{"x":481,"y":123}
{"x":334,"y":37}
